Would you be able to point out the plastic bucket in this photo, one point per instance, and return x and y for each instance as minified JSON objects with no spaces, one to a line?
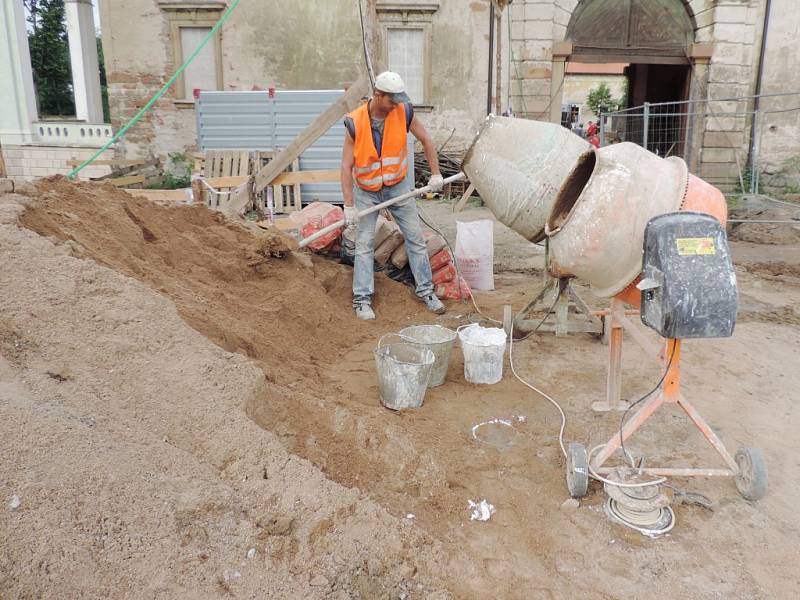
{"x":438,"y":340}
{"x":403,"y":373}
{"x":483,"y":349}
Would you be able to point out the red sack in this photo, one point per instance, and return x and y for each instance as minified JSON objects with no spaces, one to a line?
{"x":441,"y":259}
{"x":316,"y":216}
{"x":445,"y":274}
{"x":450,"y":291}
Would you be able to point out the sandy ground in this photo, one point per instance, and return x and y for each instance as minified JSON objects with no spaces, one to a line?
{"x":173,"y":398}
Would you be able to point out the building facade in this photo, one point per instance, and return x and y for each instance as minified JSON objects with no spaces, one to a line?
{"x":460,"y":58}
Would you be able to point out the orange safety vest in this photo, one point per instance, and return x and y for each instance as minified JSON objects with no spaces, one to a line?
{"x":372,"y":172}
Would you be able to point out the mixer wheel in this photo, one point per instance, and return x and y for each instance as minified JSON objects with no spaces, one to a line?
{"x":752,"y":478}
{"x":577,"y":470}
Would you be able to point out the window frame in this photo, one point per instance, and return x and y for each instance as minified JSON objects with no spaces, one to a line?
{"x":187,"y":16}
{"x":415,"y":16}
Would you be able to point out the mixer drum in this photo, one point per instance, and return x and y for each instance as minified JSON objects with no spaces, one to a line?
{"x":597,"y":223}
{"x":518,"y":166}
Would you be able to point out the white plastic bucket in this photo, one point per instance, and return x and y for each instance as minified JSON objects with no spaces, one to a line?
{"x":483,"y":348}
{"x":404,"y":370}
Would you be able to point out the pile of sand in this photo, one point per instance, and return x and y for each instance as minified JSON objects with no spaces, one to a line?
{"x":225,"y":279}
{"x":125,"y":433}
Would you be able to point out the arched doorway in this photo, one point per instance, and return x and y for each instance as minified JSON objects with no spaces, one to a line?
{"x":650,"y":40}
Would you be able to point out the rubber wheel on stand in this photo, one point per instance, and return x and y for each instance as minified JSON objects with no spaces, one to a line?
{"x":577,"y":470}
{"x":752,"y":478}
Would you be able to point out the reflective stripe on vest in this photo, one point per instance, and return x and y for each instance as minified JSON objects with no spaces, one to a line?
{"x":371,"y":171}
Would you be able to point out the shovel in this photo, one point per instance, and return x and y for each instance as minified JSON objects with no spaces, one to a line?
{"x":376,"y":208}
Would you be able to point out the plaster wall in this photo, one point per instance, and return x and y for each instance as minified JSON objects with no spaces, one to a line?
{"x":778,"y":131}
{"x":288,"y":46}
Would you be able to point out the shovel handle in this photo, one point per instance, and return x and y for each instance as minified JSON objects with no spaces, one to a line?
{"x":376,"y":208}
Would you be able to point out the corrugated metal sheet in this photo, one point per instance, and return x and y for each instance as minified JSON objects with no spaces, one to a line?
{"x":254,"y":121}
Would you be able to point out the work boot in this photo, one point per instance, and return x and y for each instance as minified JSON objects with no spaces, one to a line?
{"x":364,"y":312}
{"x":434,"y":304}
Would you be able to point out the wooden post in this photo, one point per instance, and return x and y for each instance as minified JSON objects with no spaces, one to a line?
{"x":2,"y":164}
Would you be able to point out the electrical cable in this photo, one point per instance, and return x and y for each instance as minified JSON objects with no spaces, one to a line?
{"x":647,"y":395}
{"x":546,"y":396}
{"x":540,"y":392}
{"x":367,"y":59}
{"x":429,"y":222}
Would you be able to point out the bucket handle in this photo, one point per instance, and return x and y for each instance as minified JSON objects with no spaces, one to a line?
{"x":411,"y":340}
{"x":380,"y":341}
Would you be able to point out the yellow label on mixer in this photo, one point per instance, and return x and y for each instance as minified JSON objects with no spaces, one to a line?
{"x":695,"y":246}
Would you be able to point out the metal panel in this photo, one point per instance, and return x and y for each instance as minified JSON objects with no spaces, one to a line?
{"x":258,"y":121}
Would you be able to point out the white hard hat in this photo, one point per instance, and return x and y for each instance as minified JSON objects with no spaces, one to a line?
{"x":391,"y":83}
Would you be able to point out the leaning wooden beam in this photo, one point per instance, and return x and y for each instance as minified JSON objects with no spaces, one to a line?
{"x":463,"y":202}
{"x":312,"y":133}
{"x":321,"y":176}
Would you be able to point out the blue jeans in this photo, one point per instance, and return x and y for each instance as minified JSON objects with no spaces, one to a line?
{"x":405,"y":215}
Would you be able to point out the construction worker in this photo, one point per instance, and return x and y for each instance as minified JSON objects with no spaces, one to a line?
{"x":374,"y":168}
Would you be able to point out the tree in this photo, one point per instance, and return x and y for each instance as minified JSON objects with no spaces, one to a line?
{"x":599,"y":100}
{"x":47,"y":39}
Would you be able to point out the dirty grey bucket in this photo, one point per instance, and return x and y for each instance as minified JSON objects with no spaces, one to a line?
{"x":439,"y":340}
{"x":403,"y":373}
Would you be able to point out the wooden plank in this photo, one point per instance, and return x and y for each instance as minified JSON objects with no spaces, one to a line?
{"x":122,"y":181}
{"x":227,"y":182}
{"x":350,"y":100}
{"x":463,"y":202}
{"x":160,"y":195}
{"x":277,"y":197}
{"x":2,"y":164}
{"x":113,"y":163}
{"x":296,"y":202}
{"x":291,"y":178}
{"x":244,"y":163}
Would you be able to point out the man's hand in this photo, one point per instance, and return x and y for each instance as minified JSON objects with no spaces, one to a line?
{"x":436,"y":183}
{"x":350,"y":216}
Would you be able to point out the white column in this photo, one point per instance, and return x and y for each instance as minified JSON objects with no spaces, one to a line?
{"x":17,"y":95}
{"x":83,"y":58}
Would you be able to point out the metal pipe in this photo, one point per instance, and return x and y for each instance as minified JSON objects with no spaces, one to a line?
{"x":759,"y":80}
{"x":491,"y":61}
{"x":675,"y":472}
{"x":376,"y":208}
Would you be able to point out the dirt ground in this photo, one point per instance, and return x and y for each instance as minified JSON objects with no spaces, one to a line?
{"x":186,"y":415}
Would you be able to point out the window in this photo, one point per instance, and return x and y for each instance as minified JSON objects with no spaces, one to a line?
{"x":202,"y":72}
{"x":406,"y":51}
{"x":406,"y":32}
{"x":189,"y":24}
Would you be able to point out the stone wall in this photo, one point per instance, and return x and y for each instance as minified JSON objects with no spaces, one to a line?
{"x":41,"y":161}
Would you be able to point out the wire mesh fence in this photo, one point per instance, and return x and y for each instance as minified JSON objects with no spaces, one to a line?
{"x":722,"y":140}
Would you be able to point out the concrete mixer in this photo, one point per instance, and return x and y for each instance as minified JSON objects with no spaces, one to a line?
{"x":611,"y":215}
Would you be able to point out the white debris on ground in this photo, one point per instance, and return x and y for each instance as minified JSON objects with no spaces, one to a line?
{"x":15,"y":503}
{"x":480,"y":511}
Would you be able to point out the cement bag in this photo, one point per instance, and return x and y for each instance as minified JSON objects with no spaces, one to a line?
{"x":440,"y":259}
{"x":453,"y":290}
{"x":400,"y":257}
{"x":433,"y":241}
{"x":316,"y":216}
{"x":383,"y":230}
{"x":445,"y":274}
{"x":388,"y":246}
{"x":475,"y":253}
